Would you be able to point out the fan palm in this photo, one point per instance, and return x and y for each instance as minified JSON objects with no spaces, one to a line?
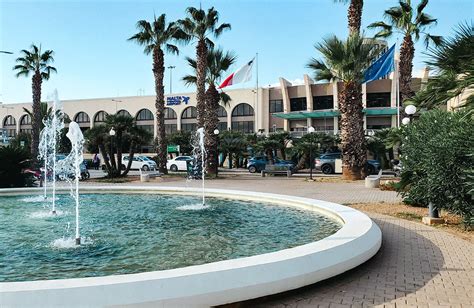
{"x":199,"y":26}
{"x":354,"y":14}
{"x":36,"y":62}
{"x":218,"y":62}
{"x":411,"y":23}
{"x":314,"y":143}
{"x":155,"y":37}
{"x":232,"y":142}
{"x":347,"y":61}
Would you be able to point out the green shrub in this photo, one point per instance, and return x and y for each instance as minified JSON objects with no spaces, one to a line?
{"x":13,"y":160}
{"x":436,"y":155}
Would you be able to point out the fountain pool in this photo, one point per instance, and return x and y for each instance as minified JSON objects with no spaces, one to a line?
{"x":143,"y":245}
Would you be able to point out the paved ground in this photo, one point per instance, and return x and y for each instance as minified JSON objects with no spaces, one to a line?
{"x":417,"y":266}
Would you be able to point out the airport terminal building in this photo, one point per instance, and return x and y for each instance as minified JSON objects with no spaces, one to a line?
{"x":287,"y":107}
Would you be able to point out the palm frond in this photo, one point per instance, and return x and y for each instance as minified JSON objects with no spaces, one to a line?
{"x":189,"y":80}
{"x":172,"y":49}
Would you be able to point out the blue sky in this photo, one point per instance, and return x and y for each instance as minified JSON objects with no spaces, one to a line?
{"x":94,"y":58}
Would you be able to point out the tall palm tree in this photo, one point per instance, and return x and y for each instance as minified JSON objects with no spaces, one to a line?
{"x":411,"y":23}
{"x":155,"y":37}
{"x":347,"y":61}
{"x":199,"y":26}
{"x":218,"y":62}
{"x":354,"y":14}
{"x":36,"y":62}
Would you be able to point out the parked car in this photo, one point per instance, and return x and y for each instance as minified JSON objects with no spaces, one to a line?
{"x":326,"y":163}
{"x":139,"y":162}
{"x":83,"y":167}
{"x":258,"y":163}
{"x":179,"y":163}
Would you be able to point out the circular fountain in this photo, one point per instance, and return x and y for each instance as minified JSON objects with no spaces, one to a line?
{"x":143,"y":245}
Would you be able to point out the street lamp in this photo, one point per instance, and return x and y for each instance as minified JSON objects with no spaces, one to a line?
{"x":410,"y":110}
{"x":171,"y":67}
{"x":116,"y":101}
{"x":310,"y":131}
{"x":216,"y":132}
{"x":112,"y":134}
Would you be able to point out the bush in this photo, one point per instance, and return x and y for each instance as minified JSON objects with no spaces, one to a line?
{"x":13,"y":160}
{"x":436,"y":155}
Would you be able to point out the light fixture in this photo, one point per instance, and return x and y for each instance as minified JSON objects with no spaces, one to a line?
{"x":216,"y":132}
{"x":410,"y":109}
{"x":310,"y":129}
{"x":112,"y":132}
{"x":406,"y":121}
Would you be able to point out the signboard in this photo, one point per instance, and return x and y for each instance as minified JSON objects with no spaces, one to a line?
{"x":173,"y":149}
{"x":177,"y":100}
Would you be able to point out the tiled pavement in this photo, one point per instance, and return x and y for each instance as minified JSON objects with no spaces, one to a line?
{"x":417,"y":266}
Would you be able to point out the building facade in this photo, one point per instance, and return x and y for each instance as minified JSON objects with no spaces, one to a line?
{"x":286,"y":107}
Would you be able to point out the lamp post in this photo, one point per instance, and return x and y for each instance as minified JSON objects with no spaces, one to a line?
{"x":116,"y":101}
{"x":171,"y":67}
{"x":216,"y":132}
{"x":410,"y":110}
{"x":310,"y":131}
{"x":112,"y":134}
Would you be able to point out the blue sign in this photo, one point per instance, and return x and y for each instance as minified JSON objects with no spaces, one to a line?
{"x":177,"y":100}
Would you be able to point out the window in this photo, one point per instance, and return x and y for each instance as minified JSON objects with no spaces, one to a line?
{"x":100,"y":117}
{"x":124,"y":113}
{"x":9,"y":121}
{"x":242,"y":110}
{"x":222,"y":126}
{"x":25,"y":120}
{"x":298,"y":104}
{"x":189,"y":113}
{"x":323,"y":102}
{"x":170,"y":114}
{"x":221,"y":112}
{"x":144,"y":115}
{"x":243,"y":126}
{"x":170,"y":128}
{"x":190,"y":127}
{"x":276,"y":105}
{"x":375,"y":100}
{"x":379,"y":122}
{"x":82,"y":117}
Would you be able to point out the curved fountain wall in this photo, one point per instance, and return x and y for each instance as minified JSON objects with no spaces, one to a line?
{"x":214,"y":283}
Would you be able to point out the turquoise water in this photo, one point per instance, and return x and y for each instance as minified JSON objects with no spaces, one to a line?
{"x":132,"y":233}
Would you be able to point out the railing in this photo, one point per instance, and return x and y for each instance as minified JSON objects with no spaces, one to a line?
{"x":299,"y":134}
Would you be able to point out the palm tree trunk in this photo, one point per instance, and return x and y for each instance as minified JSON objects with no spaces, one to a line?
{"x":119,"y":152}
{"x":36,"y":119}
{"x":407,"y":52}
{"x":354,"y":15}
{"x":201,"y":64}
{"x":130,"y":159}
{"x":354,"y":149}
{"x":158,"y":72}
{"x":301,"y":162}
{"x":103,"y":153}
{"x":212,"y":120}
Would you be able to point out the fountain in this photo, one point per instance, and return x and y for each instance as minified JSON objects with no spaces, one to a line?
{"x":200,"y":133}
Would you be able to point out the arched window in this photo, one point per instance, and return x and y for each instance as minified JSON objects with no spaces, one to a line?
{"x":82,"y":117}
{"x":221,"y":112}
{"x":124,"y":113}
{"x":144,"y":115}
{"x":25,"y":124}
{"x":242,"y":110}
{"x":189,"y":113}
{"x":100,"y":117}
{"x":170,"y":114}
{"x":9,"y":123}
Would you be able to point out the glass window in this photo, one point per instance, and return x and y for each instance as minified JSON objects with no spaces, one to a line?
{"x":100,"y":117}
{"x":82,"y":117}
{"x":189,"y":113}
{"x":170,"y":114}
{"x":323,"y":102}
{"x":25,"y":120}
{"x":144,"y":115}
{"x":189,"y":127}
{"x":124,"y":113}
{"x":243,"y":126}
{"x":221,"y":112}
{"x":298,"y":104}
{"x":222,"y":126}
{"x":276,"y":105}
{"x":242,"y":110}
{"x":9,"y":121}
{"x":170,"y":128}
{"x":375,"y":100}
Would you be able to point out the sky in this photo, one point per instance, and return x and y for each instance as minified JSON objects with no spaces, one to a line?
{"x":94,"y":58}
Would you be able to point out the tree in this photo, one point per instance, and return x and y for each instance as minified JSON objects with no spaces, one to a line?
{"x":181,"y":138}
{"x":281,"y":139}
{"x":312,"y":142}
{"x":347,"y":61}
{"x":38,"y":63}
{"x":13,"y":161}
{"x":437,"y":154}
{"x":155,"y":37}
{"x":218,"y":62}
{"x":199,"y":26}
{"x":232,"y":143}
{"x":411,"y":23}
{"x":354,"y":14}
{"x":45,"y":113}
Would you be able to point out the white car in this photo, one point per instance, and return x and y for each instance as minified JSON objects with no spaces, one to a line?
{"x":178,"y":163}
{"x":139,"y":162}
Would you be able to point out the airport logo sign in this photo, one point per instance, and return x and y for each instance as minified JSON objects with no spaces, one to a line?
{"x":177,"y":100}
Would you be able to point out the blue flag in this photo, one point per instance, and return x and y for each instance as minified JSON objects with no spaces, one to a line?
{"x":381,"y":67}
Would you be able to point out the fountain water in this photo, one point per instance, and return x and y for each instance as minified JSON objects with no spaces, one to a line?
{"x":200,"y":133}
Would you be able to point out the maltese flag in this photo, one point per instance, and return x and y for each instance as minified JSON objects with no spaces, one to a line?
{"x":243,"y":74}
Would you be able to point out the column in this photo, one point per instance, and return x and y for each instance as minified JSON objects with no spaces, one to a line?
{"x":309,"y":98}
{"x":286,"y":101}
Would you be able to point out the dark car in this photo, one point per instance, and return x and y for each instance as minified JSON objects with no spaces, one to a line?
{"x":326,"y":163}
{"x":258,"y":163}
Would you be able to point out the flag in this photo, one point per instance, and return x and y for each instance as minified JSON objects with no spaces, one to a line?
{"x":243,"y":74}
{"x":381,"y":67}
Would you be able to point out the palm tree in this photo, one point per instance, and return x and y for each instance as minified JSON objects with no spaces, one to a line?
{"x":45,"y":113}
{"x":411,"y":23}
{"x":38,"y":63}
{"x":315,"y":142}
{"x":282,"y":139}
{"x":155,"y":37}
{"x":347,"y":61}
{"x":232,"y":142}
{"x":199,"y":25}
{"x":218,"y":62}
{"x":354,"y":14}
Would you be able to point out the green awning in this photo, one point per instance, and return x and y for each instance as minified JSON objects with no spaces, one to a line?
{"x":298,"y":115}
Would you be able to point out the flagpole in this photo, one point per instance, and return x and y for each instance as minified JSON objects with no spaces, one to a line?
{"x":397,"y":82}
{"x":256,"y":84}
